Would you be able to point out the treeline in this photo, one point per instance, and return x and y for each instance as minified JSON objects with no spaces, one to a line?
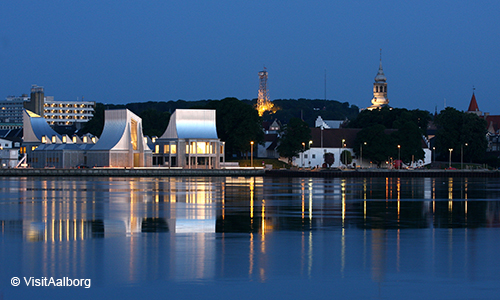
{"x":397,"y":133}
{"x":156,"y":114}
{"x":309,"y":110}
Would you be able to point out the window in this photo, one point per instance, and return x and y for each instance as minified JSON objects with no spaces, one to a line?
{"x":305,"y":155}
{"x":314,"y":156}
{"x":133,"y":133}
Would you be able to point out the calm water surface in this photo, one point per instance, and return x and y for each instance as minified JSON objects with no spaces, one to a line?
{"x":251,"y":238}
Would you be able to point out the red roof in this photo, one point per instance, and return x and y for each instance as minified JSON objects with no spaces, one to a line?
{"x":473,"y":104}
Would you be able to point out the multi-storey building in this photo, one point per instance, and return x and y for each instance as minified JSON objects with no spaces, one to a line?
{"x":61,"y":113}
{"x":11,"y":112}
{"x":68,"y":112}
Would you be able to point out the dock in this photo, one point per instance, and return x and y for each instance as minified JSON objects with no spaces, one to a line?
{"x":245,"y":172}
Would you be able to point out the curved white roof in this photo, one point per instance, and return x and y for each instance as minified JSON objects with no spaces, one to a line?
{"x":115,"y":124}
{"x":35,"y":126}
{"x":116,"y":132}
{"x":191,"y":124}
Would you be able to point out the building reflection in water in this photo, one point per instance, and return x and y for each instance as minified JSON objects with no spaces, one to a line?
{"x":206,"y":228}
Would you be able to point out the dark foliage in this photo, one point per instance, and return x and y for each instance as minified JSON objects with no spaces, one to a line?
{"x":309,"y":110}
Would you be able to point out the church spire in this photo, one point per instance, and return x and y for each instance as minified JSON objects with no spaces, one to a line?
{"x":380,"y":75}
{"x":379,"y":88}
{"x":473,"y":107}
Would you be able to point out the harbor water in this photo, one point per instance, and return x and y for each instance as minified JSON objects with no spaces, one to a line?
{"x":249,"y":238}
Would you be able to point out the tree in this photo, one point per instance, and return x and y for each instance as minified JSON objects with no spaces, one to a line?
{"x":237,"y":124}
{"x":154,"y":122}
{"x":392,"y":118}
{"x":96,"y":124}
{"x":329,"y":159}
{"x":309,"y":110}
{"x":399,"y":127}
{"x":409,"y":138}
{"x":294,"y":139}
{"x":346,"y":157}
{"x":455,"y":130}
{"x":379,"y":145}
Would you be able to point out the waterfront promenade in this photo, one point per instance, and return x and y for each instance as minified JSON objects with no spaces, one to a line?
{"x":158,"y":172}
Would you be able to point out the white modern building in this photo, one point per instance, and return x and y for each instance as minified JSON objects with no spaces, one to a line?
{"x":190,"y":141}
{"x":122,"y":143}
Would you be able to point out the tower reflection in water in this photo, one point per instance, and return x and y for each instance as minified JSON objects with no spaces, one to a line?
{"x":188,"y":229}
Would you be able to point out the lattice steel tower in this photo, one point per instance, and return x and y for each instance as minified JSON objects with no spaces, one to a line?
{"x":263,"y":102}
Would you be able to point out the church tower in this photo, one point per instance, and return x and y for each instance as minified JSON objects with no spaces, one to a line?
{"x":379,"y":89}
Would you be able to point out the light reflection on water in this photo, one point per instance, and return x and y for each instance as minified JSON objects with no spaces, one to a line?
{"x":395,"y":233}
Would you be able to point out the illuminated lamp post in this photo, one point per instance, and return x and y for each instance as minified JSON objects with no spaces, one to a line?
{"x":449,"y":167}
{"x":462,"y":156}
{"x":399,"y":156}
{"x":303,"y":149}
{"x":361,"y":155}
{"x":343,"y":144}
{"x":310,"y":142}
{"x":251,"y":153}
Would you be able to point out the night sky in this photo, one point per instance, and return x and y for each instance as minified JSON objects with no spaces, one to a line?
{"x":135,"y":51}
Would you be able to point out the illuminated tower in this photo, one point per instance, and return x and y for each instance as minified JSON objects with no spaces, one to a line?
{"x":379,"y":89}
{"x":263,"y":103}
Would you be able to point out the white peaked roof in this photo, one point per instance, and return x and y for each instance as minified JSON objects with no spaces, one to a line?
{"x":328,"y":123}
{"x":191,"y":124}
{"x":117,"y":130}
{"x":35,"y":126}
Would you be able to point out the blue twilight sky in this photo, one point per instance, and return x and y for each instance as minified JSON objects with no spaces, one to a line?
{"x":135,"y":51}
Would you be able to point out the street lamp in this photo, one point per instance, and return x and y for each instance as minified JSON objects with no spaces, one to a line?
{"x":310,"y":142}
{"x":399,"y":156}
{"x":303,"y":149}
{"x":450,"y":157}
{"x":462,"y":156}
{"x":343,"y":144}
{"x":251,"y":153}
{"x":434,"y":153}
{"x":361,"y":156}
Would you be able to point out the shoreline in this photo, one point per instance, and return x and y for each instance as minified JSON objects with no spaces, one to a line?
{"x":246,"y":172}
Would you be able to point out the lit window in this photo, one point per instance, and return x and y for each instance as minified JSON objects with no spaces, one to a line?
{"x":133,"y":134}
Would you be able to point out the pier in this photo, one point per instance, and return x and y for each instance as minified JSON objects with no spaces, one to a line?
{"x":165,"y":172}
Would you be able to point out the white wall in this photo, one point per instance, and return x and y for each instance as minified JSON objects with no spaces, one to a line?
{"x":314,"y":158}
